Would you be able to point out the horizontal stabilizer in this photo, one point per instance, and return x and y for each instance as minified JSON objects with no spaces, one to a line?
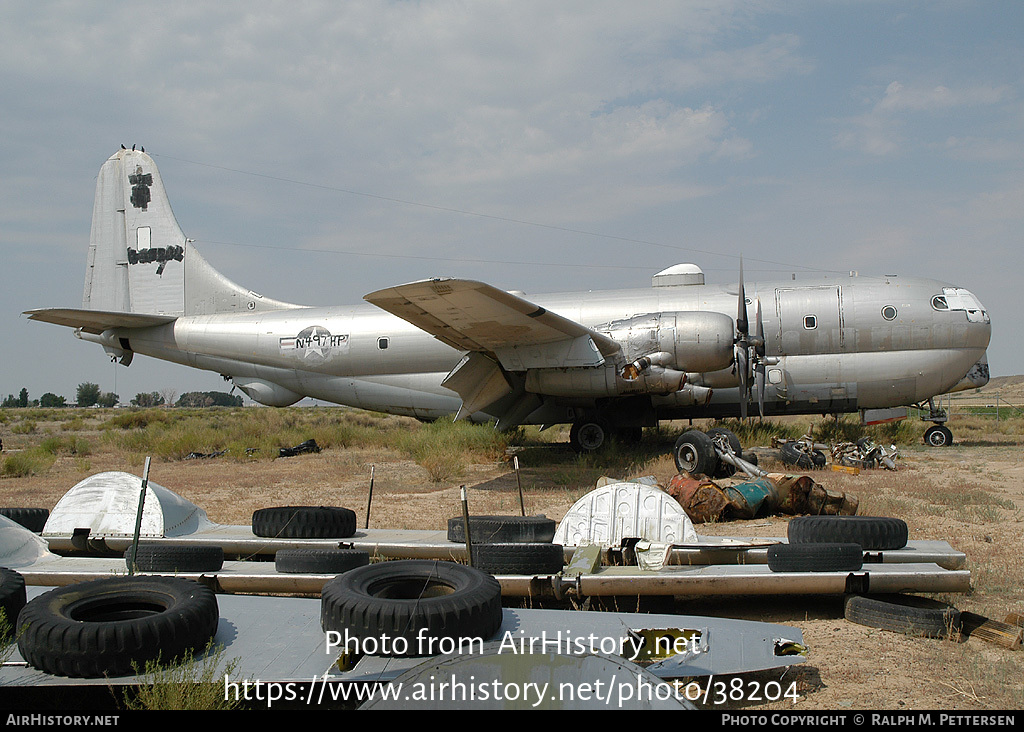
{"x":97,"y":321}
{"x":473,"y":316}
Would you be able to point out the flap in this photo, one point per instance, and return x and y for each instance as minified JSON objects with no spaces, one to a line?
{"x":474,"y":316}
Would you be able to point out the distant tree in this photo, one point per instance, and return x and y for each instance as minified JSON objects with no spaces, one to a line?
{"x":10,"y":402}
{"x":209,"y":399}
{"x":49,"y":399}
{"x":152,"y":399}
{"x":87,"y":394}
{"x":168,"y":395}
{"x":23,"y":397}
{"x":108,"y":399}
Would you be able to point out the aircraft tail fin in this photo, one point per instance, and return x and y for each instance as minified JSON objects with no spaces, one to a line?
{"x":140,"y":261}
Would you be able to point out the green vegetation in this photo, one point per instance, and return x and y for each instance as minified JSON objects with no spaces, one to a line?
{"x":186,"y":684}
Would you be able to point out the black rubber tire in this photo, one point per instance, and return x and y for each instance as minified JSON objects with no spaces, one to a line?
{"x":304,"y":522}
{"x":907,"y":614}
{"x":319,"y":561}
{"x":815,"y":557}
{"x":791,"y":455}
{"x":750,"y":457}
{"x":386,"y":604}
{"x":504,"y":529}
{"x":694,"y":453}
{"x":110,"y":627}
{"x":588,"y":435}
{"x":519,"y":558}
{"x":724,"y":469}
{"x":33,"y":519}
{"x":157,"y":557}
{"x":938,"y":436}
{"x":12,"y":600}
{"x":873,"y":533}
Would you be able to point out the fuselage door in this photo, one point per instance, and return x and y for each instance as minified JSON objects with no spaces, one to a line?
{"x":810,"y":320}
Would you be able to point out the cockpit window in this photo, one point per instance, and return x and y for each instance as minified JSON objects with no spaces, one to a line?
{"x":964,"y":300}
{"x":939,"y":303}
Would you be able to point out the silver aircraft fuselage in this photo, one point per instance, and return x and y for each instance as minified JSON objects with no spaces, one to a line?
{"x":849,"y":357}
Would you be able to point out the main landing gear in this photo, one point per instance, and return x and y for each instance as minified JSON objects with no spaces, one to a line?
{"x":591,"y":434}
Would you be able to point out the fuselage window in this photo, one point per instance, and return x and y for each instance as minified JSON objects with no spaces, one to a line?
{"x":810,"y":322}
{"x":889,"y":312}
{"x":939,"y":303}
{"x":382,"y":343}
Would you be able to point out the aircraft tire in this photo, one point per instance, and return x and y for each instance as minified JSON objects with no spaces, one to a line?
{"x":724,"y":469}
{"x":304,"y":522}
{"x":938,"y":436}
{"x":694,"y":453}
{"x":873,"y":533}
{"x":319,"y":561}
{"x":588,"y":435}
{"x":403,"y":607}
{"x":790,"y":454}
{"x":12,"y":600}
{"x":156,"y":557}
{"x":33,"y":519}
{"x":503,"y":529}
{"x":907,"y":614}
{"x":815,"y":557}
{"x":519,"y":558}
{"x":112,"y":626}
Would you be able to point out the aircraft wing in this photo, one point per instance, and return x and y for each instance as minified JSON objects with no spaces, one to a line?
{"x":473,"y":316}
{"x":96,"y":321}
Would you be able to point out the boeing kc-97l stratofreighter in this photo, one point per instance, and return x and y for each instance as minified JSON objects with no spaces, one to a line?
{"x":609,"y":363}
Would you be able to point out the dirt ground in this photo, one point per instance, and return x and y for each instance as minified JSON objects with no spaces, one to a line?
{"x":970,"y":494}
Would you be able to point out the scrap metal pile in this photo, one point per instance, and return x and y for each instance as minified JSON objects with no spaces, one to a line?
{"x":707,"y":462}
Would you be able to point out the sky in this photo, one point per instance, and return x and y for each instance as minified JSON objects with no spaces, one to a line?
{"x":318,"y":151}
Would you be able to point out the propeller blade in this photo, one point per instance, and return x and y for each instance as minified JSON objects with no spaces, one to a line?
{"x":741,"y":307}
{"x":759,"y":384}
{"x":743,"y":371}
{"x":759,"y":349}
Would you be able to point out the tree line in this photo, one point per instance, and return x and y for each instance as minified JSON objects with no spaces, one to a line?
{"x":89,"y":395}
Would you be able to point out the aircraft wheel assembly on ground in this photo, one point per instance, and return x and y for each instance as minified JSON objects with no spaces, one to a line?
{"x":724,"y":469}
{"x":404,"y":607}
{"x":694,"y":453}
{"x":112,"y":627}
{"x":908,"y":614}
{"x":790,"y":454}
{"x":873,"y":533}
{"x":588,"y":435}
{"x":938,"y":436}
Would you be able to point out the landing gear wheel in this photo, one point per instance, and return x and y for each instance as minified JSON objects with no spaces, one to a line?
{"x":694,"y":453}
{"x":724,"y":469}
{"x":110,"y":627}
{"x":790,"y":454}
{"x":588,"y":435}
{"x":404,"y":607}
{"x":938,"y":436}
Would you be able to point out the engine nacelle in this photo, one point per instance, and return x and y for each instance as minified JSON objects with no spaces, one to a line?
{"x":697,"y":341}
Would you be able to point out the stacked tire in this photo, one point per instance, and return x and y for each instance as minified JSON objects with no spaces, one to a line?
{"x":518,"y":545}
